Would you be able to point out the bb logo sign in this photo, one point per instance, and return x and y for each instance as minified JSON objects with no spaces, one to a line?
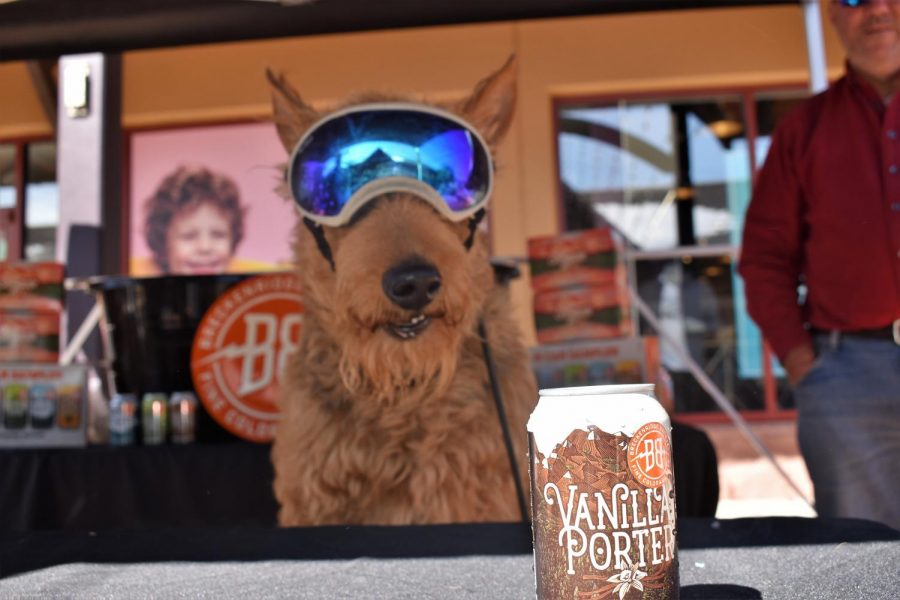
{"x":650,"y":454}
{"x":240,"y":348}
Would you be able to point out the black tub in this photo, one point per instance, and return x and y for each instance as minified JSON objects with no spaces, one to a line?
{"x":150,"y":325}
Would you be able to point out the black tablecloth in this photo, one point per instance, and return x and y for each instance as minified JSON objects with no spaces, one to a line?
{"x":772,"y":558}
{"x":133,"y":487}
{"x":102,"y":488}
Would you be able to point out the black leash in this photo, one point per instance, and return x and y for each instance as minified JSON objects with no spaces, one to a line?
{"x":504,"y":424}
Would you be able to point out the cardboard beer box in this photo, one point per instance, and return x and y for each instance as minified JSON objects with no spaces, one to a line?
{"x":576,"y":258}
{"x":29,"y":336}
{"x":586,"y":312}
{"x":622,"y":361}
{"x":43,"y":406}
{"x":32,"y":286}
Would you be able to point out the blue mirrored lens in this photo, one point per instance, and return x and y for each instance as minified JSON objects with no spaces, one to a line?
{"x":346,"y":153}
{"x":853,"y":3}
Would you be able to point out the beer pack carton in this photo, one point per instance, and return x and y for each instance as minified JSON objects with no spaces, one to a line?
{"x":29,"y":336}
{"x":34,"y":286}
{"x":587,"y":312}
{"x":576,"y":258}
{"x":42,"y":406}
{"x":619,"y":361}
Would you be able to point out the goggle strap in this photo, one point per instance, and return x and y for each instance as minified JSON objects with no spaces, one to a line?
{"x":321,"y":242}
{"x":474,"y":220}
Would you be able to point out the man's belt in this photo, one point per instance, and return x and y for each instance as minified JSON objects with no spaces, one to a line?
{"x":889,"y":332}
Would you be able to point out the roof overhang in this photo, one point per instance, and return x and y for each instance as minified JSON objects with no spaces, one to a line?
{"x":37,"y":29}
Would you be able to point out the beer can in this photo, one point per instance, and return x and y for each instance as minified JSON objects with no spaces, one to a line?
{"x":154,"y":418}
{"x":603,"y":494}
{"x":15,"y":406}
{"x":68,"y":406}
{"x":183,"y":417}
{"x":42,"y":406}
{"x":122,"y":419}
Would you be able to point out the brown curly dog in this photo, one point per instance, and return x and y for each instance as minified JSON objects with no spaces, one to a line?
{"x":379,"y":428}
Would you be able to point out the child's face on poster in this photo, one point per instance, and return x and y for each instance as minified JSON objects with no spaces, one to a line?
{"x":199,"y":241}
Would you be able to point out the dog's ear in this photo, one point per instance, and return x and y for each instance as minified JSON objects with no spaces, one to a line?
{"x":292,"y":115}
{"x":491,"y":105}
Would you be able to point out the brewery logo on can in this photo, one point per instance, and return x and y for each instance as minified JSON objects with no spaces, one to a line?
{"x":603,"y":494}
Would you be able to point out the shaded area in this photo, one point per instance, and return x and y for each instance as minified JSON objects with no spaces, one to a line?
{"x":779,"y":531}
{"x":47,"y":28}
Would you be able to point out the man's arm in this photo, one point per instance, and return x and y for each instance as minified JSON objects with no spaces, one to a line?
{"x":772,"y":255}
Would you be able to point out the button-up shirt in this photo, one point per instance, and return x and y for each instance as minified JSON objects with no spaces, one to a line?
{"x":826,"y":212}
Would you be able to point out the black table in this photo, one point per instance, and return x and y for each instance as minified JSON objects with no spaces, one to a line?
{"x":772,"y":558}
{"x":199,"y":485}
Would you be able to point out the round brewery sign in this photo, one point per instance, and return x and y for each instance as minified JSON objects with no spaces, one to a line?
{"x":241,"y":347}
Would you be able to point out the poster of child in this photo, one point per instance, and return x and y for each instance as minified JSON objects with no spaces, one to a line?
{"x":203,"y":200}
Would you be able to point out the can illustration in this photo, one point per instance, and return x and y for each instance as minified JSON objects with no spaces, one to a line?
{"x":42,"y":406}
{"x":122,"y":419}
{"x":603,"y":494}
{"x":183,"y":417}
{"x":154,"y":418}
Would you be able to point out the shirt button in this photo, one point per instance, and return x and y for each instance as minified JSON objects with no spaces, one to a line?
{"x":892,"y":169}
{"x":895,"y":206}
{"x":892,"y":134}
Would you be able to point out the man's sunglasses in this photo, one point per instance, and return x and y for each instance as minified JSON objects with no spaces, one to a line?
{"x":861,"y":3}
{"x":350,"y":157}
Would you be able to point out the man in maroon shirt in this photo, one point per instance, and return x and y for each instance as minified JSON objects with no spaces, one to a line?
{"x":826,"y":214}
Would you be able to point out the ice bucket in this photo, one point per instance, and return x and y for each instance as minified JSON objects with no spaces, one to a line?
{"x":148,"y":330}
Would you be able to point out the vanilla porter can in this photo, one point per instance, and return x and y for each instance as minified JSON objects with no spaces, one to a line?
{"x":603,"y":494}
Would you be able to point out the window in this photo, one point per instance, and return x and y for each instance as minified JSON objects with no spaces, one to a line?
{"x":41,"y":202}
{"x":28,"y":171}
{"x":673,"y":176}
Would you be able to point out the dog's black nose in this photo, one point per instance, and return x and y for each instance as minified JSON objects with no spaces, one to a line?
{"x":411,"y":285}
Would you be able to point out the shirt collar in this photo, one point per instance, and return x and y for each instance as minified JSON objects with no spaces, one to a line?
{"x":863,"y":87}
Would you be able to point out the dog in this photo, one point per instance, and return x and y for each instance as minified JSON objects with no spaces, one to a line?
{"x":387,"y":413}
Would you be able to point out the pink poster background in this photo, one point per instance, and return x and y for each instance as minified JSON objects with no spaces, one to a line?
{"x":249,"y":153}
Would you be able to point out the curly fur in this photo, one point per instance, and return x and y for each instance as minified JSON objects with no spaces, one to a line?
{"x":377,"y":430}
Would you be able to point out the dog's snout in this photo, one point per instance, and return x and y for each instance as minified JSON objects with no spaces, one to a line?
{"x":411,"y":285}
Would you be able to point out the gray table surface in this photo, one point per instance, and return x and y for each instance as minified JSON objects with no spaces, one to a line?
{"x":810,"y":572}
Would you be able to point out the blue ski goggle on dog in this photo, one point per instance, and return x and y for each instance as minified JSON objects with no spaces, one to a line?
{"x":356,"y":154}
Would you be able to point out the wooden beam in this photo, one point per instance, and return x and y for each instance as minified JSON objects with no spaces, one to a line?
{"x":41,"y":72}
